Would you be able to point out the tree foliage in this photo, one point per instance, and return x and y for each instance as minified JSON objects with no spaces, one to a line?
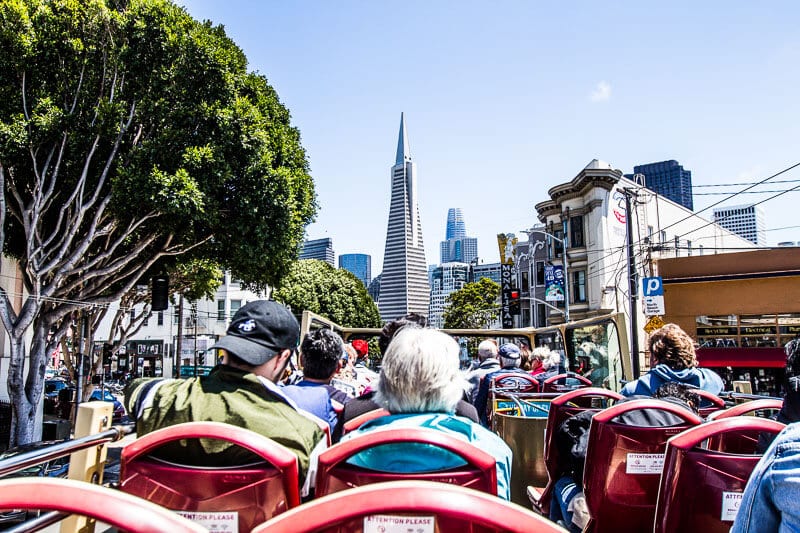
{"x":133,"y":140}
{"x":474,"y":306}
{"x":336,"y":294}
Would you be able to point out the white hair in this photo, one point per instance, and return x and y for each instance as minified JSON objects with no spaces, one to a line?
{"x":553,"y":359}
{"x":541,"y":353}
{"x":487,"y":349}
{"x":420,"y":373}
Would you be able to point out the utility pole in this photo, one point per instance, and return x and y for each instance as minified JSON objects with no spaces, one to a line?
{"x":180,"y":333}
{"x":633,"y":283}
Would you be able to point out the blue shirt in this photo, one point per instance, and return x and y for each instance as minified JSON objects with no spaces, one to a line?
{"x":648,"y":384}
{"x":314,"y":400}
{"x":406,"y":457}
{"x":771,"y":500}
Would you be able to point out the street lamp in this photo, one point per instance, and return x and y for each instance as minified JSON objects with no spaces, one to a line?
{"x":563,"y":242}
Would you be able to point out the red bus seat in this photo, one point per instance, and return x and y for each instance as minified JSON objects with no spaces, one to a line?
{"x":717,"y":403}
{"x":363,"y":418}
{"x":700,"y":489}
{"x":334,"y":473}
{"x":743,"y":443}
{"x":623,"y":466}
{"x":119,"y":510}
{"x":551,"y":383}
{"x":503,"y":385}
{"x":444,"y":507}
{"x":561,"y":408}
{"x":747,"y":408}
{"x":255,"y":492}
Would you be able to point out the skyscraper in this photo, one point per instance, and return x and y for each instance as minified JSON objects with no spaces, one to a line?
{"x":457,"y":247}
{"x":359,"y":264}
{"x":669,"y":179}
{"x":746,"y":221}
{"x":404,"y":281}
{"x":321,"y":249}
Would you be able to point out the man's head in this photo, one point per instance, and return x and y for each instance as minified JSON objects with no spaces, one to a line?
{"x":320,"y":353}
{"x":487,"y":349}
{"x":391,"y":328}
{"x":509,"y":355}
{"x":261,"y":338}
{"x":420,"y":373}
{"x":672,"y":346}
{"x":679,"y":391}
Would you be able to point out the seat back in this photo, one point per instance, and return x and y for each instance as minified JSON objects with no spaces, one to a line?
{"x":749,"y":408}
{"x":557,"y":383}
{"x":421,"y":505}
{"x":505,"y":386}
{"x":623,"y":465}
{"x":700,"y":489}
{"x":119,"y":510}
{"x":744,"y":442}
{"x":334,"y":473}
{"x":561,"y":408}
{"x":709,"y":403}
{"x":355,"y":423}
{"x":254,"y":492}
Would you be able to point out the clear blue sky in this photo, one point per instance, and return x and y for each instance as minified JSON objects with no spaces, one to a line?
{"x":504,"y":100}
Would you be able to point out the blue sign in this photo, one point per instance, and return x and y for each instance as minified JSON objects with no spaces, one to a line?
{"x":554,"y":283}
{"x":653,"y":286}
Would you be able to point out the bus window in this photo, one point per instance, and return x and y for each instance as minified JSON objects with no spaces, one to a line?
{"x":595,"y":353}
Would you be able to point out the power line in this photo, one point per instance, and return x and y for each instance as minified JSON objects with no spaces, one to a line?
{"x":742,"y":183}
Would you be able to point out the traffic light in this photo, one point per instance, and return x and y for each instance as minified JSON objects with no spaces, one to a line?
{"x":513,"y":302}
{"x":159,"y":293}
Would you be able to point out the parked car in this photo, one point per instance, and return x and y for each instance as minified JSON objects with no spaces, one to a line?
{"x":108,"y":396}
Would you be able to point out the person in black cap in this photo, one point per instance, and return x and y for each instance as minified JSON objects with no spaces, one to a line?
{"x":241,"y":391}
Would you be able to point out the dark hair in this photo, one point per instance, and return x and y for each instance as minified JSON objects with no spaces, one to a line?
{"x":792,"y":349}
{"x":321,"y":350}
{"x":391,"y":328}
{"x":679,"y":391}
{"x":672,"y":346}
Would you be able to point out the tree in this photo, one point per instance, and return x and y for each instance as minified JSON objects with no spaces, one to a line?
{"x":474,"y":306}
{"x":333,"y":293}
{"x":132,"y":139}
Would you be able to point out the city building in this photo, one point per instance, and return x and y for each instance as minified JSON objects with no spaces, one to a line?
{"x":360,"y":265}
{"x":404,"y":280}
{"x":746,"y":221}
{"x":489,"y":270}
{"x":669,"y":179}
{"x":530,"y":259}
{"x":321,"y":249}
{"x":591,"y":211}
{"x":374,"y":288}
{"x":457,"y":247}
{"x":446,"y":279}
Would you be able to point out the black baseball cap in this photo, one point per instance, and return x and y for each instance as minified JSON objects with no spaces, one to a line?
{"x":260,"y":330}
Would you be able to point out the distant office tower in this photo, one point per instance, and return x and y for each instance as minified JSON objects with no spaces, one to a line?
{"x":669,"y":179}
{"x":457,"y":247}
{"x":321,"y":249}
{"x":359,"y":264}
{"x":446,"y":279}
{"x":747,"y":221}
{"x":374,"y":288}
{"x":404,"y":281}
{"x":491,"y":271}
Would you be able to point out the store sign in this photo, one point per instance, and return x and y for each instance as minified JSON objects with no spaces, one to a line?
{"x":506,"y":282}
{"x":554,"y":283}
{"x":653,"y":300}
{"x":758,"y":330}
{"x":718,"y":330}
{"x":790,"y":330}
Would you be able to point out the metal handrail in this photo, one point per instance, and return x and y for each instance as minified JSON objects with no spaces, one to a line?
{"x":38,"y":523}
{"x":34,"y":457}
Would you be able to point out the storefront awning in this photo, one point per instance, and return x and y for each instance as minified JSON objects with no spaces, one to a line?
{"x":742,"y":357}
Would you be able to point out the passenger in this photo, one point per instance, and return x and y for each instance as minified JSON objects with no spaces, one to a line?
{"x":538,"y":356}
{"x":240,"y":391}
{"x":509,"y":358}
{"x":672,"y":358}
{"x":551,"y":362}
{"x":770,"y":500}
{"x":420,"y":386}
{"x":790,"y":411}
{"x":487,"y":354}
{"x":345,"y":378}
{"x":320,"y":353}
{"x":526,"y":362}
{"x":365,"y":377}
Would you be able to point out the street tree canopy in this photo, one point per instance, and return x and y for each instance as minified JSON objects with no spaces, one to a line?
{"x":132,"y":139}
{"x":336,"y":294}
{"x":474,"y":306}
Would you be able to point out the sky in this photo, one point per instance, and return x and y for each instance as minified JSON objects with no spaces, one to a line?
{"x":504,"y":100}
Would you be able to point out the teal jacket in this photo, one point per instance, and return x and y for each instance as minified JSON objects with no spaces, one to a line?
{"x":228,"y":395}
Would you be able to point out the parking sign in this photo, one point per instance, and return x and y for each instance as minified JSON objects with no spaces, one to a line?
{"x":653,"y":300}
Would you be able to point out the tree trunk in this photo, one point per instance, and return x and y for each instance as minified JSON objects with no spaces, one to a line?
{"x":26,"y":392}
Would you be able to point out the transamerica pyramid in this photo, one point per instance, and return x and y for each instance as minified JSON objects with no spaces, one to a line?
{"x":404,"y":282}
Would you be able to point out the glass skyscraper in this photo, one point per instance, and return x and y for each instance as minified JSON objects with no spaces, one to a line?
{"x":359,"y":264}
{"x":457,"y":247}
{"x":669,"y":179}
{"x":321,"y":249}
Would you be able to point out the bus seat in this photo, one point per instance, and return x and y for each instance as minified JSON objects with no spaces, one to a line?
{"x":334,"y":473}
{"x":623,"y":465}
{"x":745,"y":442}
{"x":709,"y":402}
{"x":561,"y":408}
{"x":255,"y":492}
{"x":748,"y":408}
{"x":363,"y":418}
{"x":115,"y":508}
{"x":551,"y":384}
{"x":700,"y":489}
{"x":506,"y":384}
{"x":427,"y":505}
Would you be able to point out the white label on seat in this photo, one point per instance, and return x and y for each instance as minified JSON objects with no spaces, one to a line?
{"x":644,"y":463}
{"x":224,"y":521}
{"x":730,"y":505}
{"x":383,"y":523}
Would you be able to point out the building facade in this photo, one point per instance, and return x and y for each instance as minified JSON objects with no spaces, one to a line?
{"x":404,"y":280}
{"x":669,"y":179}
{"x":530,"y":259}
{"x":321,"y":249}
{"x":360,"y":265}
{"x":457,"y":246}
{"x":747,"y":221}
{"x":445,"y":279}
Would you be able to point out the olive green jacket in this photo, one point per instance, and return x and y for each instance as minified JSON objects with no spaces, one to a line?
{"x":228,"y":395}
